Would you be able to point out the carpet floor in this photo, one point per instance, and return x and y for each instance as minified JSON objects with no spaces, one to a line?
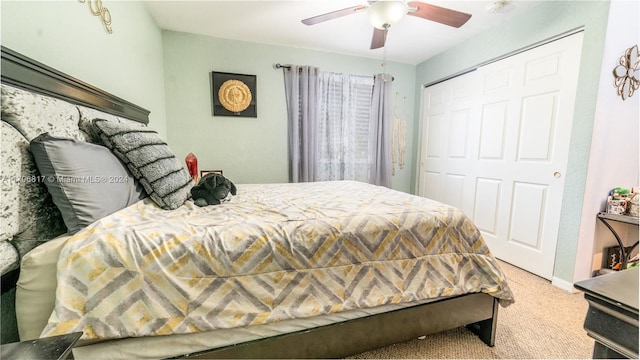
{"x":545,"y":322}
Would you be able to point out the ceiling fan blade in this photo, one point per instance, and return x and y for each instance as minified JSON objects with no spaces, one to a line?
{"x":438,"y":14}
{"x":333,"y":15}
{"x":379,"y":38}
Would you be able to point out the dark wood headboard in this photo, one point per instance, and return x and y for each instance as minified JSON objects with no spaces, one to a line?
{"x":26,"y":73}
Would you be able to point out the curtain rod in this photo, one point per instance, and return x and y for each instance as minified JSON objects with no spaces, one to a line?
{"x":280,"y":66}
{"x":287,"y":66}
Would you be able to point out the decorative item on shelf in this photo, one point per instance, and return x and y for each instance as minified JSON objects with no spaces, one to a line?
{"x":233,"y":94}
{"x":192,"y":166}
{"x":634,"y":206}
{"x":613,"y":257}
{"x":617,"y":201}
{"x":627,"y":73}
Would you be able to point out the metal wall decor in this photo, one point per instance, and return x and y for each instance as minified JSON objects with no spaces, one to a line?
{"x":233,"y":94}
{"x":627,"y":74}
{"x":96,"y":8}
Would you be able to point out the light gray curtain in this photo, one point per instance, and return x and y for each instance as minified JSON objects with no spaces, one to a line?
{"x":300,"y":84}
{"x":380,"y":132}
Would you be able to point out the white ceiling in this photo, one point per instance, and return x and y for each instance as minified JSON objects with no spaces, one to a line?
{"x":411,"y":41}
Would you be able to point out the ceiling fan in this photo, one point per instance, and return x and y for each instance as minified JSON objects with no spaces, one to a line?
{"x":384,"y":13}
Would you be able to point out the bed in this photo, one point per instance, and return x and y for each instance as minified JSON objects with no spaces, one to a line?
{"x":310,"y":270}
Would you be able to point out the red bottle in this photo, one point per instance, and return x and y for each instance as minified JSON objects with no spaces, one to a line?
{"x":192,"y":166}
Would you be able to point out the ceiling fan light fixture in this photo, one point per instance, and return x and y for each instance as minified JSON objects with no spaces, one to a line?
{"x":385,"y":13}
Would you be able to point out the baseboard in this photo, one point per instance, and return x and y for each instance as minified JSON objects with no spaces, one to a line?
{"x":563,"y":284}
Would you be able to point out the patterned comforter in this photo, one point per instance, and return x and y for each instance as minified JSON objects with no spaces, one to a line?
{"x":274,"y":252}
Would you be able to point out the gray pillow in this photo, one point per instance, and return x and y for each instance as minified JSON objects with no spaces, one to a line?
{"x":150,"y":161}
{"x":86,"y":181}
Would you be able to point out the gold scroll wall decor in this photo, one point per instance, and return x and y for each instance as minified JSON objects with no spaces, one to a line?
{"x":96,"y":8}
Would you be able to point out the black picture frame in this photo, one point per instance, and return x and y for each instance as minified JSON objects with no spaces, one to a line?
{"x":205,"y":172}
{"x":218,"y":79}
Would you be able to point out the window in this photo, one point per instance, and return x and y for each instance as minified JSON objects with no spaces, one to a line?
{"x":343,"y":126}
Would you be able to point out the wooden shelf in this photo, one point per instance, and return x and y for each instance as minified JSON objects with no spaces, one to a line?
{"x":619,"y":218}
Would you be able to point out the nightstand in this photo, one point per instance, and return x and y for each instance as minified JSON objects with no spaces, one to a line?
{"x":612,"y":318}
{"x":54,"y":347}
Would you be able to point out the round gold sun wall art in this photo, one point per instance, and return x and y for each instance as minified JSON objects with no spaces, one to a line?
{"x":234,"y":95}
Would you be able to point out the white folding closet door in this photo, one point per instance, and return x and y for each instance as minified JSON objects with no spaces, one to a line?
{"x":495,"y":143}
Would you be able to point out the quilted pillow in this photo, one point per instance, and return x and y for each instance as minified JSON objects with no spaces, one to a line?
{"x":150,"y":161}
{"x":33,"y":114}
{"x":86,"y":181}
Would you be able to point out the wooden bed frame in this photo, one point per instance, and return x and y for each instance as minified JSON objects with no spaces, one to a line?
{"x":478,"y":311}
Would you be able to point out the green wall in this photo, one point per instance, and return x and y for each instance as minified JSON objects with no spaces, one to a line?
{"x":253,"y":150}
{"x":66,"y":36}
{"x":544,"y":21}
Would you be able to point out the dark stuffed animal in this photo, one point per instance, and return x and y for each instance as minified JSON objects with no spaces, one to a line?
{"x":212,"y":189}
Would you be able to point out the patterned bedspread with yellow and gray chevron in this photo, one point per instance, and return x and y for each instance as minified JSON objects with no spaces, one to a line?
{"x":274,"y":252}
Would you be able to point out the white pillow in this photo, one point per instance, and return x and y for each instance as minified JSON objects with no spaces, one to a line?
{"x":36,"y":288}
